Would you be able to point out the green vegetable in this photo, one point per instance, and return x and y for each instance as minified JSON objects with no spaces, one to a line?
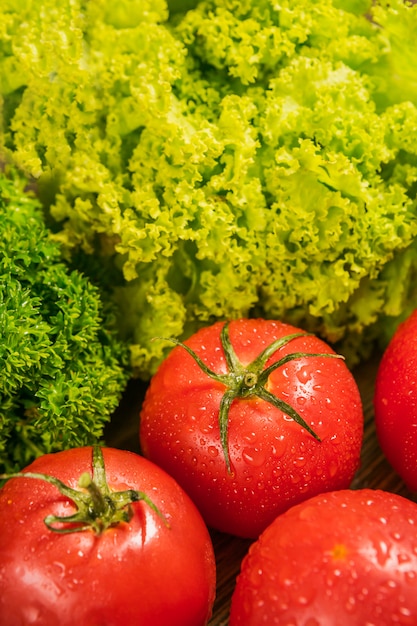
{"x":242,"y":158}
{"x":62,"y":370}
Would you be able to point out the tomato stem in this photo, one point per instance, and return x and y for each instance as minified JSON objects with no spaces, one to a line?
{"x":97,"y":506}
{"x":248,"y":381}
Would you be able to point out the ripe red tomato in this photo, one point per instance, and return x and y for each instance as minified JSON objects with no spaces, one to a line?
{"x":156,"y":567}
{"x":395,"y":401}
{"x":346,"y":557}
{"x":274,"y":461}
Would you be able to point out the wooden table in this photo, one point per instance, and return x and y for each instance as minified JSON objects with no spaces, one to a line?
{"x":374,"y":472}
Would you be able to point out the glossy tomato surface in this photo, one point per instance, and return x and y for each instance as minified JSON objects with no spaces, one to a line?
{"x":139,"y":573}
{"x":346,"y":558}
{"x":274,"y":461}
{"x":395,"y":402}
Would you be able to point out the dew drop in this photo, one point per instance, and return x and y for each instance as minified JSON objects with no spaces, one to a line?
{"x":382,"y":551}
{"x":403,"y":557}
{"x":60,"y":567}
{"x":303,"y":598}
{"x":410,"y":577}
{"x":363,"y":593}
{"x":256,"y":577}
{"x":273,"y":596}
{"x":304,"y":374}
{"x":391,"y":584}
{"x":32,"y":614}
{"x":333,"y":467}
{"x":249,"y":437}
{"x":299,"y":461}
{"x":254,"y":456}
{"x":350,"y":605}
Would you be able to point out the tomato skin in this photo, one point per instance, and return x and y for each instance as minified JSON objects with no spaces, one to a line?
{"x":345,"y":558}
{"x":395,"y":401}
{"x":138,"y":573}
{"x":275,"y":461}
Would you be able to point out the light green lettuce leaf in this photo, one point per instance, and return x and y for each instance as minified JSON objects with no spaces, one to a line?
{"x":236,"y":158}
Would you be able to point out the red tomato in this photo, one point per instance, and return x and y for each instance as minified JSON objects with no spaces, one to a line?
{"x":275,"y":461}
{"x":154,"y":569}
{"x":395,"y":402}
{"x":341,"y":558}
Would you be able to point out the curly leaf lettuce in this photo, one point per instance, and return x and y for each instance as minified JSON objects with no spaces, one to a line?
{"x":239,"y":158}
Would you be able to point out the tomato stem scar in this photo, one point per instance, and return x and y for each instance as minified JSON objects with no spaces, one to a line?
{"x":246,"y":381}
{"x":97,"y":506}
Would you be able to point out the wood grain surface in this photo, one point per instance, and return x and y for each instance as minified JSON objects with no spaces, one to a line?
{"x":374,"y":473}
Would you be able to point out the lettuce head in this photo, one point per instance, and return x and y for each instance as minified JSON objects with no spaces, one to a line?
{"x":223,"y":158}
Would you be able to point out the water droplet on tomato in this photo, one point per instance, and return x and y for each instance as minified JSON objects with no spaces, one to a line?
{"x":350,"y":605}
{"x":273,"y":596}
{"x":33,"y":614}
{"x":403,"y":557}
{"x":410,"y":576}
{"x":206,"y":428}
{"x":213,"y":451}
{"x":333,"y":467}
{"x":255,"y":577}
{"x":396,"y":536}
{"x":249,"y":436}
{"x":301,"y":400}
{"x":363,"y":594}
{"x":302,"y":597}
{"x":60,"y":568}
{"x":254,"y":456}
{"x":299,"y":461}
{"x":405,"y":616}
{"x":305,"y":373}
{"x":335,"y":440}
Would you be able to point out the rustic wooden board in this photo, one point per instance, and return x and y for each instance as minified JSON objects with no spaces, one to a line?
{"x":374,"y":473}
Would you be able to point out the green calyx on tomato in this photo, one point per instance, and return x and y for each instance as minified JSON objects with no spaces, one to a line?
{"x":248,"y":381}
{"x":98,"y":507}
